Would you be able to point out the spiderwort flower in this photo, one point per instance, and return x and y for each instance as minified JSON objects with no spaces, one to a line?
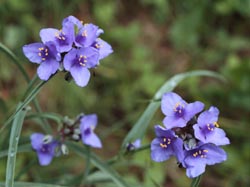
{"x":103,"y":47}
{"x":165,"y":145}
{"x":63,"y":38}
{"x":72,"y":20}
{"x":87,"y":35}
{"x":77,"y":62}
{"x":195,"y":160}
{"x":87,"y":126}
{"x":178,"y":112}
{"x":207,"y":129}
{"x":44,"y":146}
{"x":44,"y":54}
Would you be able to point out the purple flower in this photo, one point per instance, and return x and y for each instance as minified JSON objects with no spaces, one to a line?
{"x":44,"y":54}
{"x":87,"y":126}
{"x":195,"y":160}
{"x":63,"y":38}
{"x":206,"y":129}
{"x":165,"y":145}
{"x":77,"y":62}
{"x":103,"y":47}
{"x":87,"y":35}
{"x":44,"y":146}
{"x":72,"y":20}
{"x":178,"y":112}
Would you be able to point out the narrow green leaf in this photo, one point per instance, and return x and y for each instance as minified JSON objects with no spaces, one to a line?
{"x":15,"y":60}
{"x":98,"y":163}
{"x":13,"y":145}
{"x":21,"y":149}
{"x":196,"y":181}
{"x":31,"y":184}
{"x":87,"y":164}
{"x":28,"y":99}
{"x":141,"y":125}
{"x":53,"y":116}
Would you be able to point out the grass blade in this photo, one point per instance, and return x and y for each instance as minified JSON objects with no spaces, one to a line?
{"x":13,"y":145}
{"x":28,"y":99}
{"x":141,"y":125}
{"x":45,"y":115}
{"x":15,"y":60}
{"x":21,"y":149}
{"x":99,"y":164}
{"x":32,"y":184}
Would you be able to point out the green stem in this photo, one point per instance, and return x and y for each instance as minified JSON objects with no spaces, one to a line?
{"x":46,"y":127}
{"x":196,"y":181}
{"x":27,"y":100}
{"x":30,"y":85}
{"x":14,"y":139}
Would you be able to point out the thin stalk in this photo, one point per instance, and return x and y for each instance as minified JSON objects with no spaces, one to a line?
{"x":28,"y":99}
{"x":46,"y":127}
{"x":196,"y":181}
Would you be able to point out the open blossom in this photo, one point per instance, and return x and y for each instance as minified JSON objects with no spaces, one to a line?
{"x":87,"y":125}
{"x":165,"y":145}
{"x":87,"y":35}
{"x":207,"y":129}
{"x":44,"y":54}
{"x":63,"y":39}
{"x":78,"y":61}
{"x":195,"y":160}
{"x":178,"y":112}
{"x":103,"y":47}
{"x":72,"y":20}
{"x":44,"y":146}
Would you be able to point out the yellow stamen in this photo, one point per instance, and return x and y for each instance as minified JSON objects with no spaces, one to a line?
{"x":216,"y":124}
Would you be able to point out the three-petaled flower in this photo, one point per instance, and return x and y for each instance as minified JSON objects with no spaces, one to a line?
{"x":44,"y":146}
{"x":87,"y":126}
{"x":78,"y":61}
{"x":178,"y":112}
{"x":44,"y":54}
{"x":207,"y":129}
{"x":165,"y":145}
{"x":195,"y":160}
{"x":63,"y":38}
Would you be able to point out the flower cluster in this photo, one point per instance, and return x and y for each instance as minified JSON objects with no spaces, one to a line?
{"x":75,"y":48}
{"x":82,"y":128}
{"x":192,"y":136}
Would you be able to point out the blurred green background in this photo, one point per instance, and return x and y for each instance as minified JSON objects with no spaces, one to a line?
{"x":152,"y":41}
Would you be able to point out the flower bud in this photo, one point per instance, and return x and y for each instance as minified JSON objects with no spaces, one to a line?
{"x":47,"y":139}
{"x":77,"y":131}
{"x":75,"y":137}
{"x":64,"y":149}
{"x":66,"y":131}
